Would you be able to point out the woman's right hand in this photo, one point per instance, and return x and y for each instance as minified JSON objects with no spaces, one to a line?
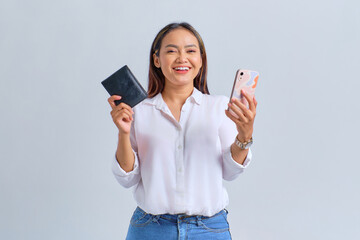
{"x":121,"y":115}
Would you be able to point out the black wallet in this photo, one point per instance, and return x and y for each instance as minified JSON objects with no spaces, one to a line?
{"x":124,"y":84}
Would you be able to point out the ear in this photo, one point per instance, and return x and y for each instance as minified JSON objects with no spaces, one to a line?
{"x":156,"y":61}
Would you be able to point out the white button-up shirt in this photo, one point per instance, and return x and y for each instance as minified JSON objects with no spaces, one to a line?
{"x":179,"y":166}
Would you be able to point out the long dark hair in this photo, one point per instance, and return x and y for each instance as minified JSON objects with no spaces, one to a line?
{"x":157,"y":78}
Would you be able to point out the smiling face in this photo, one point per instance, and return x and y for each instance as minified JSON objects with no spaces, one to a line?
{"x":179,"y":57}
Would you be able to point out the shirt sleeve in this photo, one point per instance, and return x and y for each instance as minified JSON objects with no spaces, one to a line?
{"x":227,"y":134}
{"x":128,"y":179}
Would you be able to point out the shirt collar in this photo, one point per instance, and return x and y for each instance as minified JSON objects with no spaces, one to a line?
{"x":156,"y":101}
{"x":159,"y":103}
{"x":196,"y":96}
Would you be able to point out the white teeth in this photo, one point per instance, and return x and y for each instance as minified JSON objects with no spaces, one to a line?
{"x":182,"y":68}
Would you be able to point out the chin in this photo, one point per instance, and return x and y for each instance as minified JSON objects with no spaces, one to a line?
{"x":184,"y":81}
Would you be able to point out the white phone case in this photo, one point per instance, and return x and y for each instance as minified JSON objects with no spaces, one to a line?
{"x":246,"y":80}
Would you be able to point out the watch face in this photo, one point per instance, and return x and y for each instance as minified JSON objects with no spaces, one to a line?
{"x":247,"y":146}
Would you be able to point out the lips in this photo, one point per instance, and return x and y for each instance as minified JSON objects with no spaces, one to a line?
{"x":182,"y":69}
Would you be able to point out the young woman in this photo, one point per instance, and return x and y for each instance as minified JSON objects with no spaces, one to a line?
{"x":177,"y":146}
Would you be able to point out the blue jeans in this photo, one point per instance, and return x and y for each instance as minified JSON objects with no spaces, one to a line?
{"x":178,"y":227}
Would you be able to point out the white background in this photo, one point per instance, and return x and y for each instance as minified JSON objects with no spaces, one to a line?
{"x":57,"y":138}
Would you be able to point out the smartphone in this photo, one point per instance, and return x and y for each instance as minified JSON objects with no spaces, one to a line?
{"x":246,"y":80}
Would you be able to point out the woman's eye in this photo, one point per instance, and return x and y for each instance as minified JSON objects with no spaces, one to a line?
{"x":191,"y":51}
{"x":170,"y":51}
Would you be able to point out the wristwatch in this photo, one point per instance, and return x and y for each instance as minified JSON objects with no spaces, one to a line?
{"x":243,"y":145}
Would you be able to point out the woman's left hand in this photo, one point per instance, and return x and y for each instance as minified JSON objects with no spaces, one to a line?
{"x":246,"y":116}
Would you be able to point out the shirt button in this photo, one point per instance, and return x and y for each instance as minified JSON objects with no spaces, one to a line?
{"x":179,"y":147}
{"x":180,"y":170}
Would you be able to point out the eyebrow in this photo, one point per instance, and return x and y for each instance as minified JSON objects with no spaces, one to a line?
{"x":175,"y":46}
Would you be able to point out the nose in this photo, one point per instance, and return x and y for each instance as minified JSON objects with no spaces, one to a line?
{"x":182,"y":57}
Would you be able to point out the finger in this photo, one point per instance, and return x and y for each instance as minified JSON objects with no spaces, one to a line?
{"x":238,"y":112}
{"x":250,"y":101}
{"x":122,"y":115}
{"x":232,"y":117}
{"x":243,"y":107}
{"x":124,"y":106}
{"x":118,"y":111}
{"x":255,"y":102}
{"x":128,"y":113}
{"x":112,"y":99}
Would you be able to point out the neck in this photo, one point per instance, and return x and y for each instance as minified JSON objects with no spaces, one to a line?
{"x":176,"y":95}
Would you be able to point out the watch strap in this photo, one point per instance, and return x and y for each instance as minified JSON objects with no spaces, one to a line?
{"x":243,"y":145}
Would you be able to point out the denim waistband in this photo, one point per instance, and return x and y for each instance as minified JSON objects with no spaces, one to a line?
{"x":176,"y":217}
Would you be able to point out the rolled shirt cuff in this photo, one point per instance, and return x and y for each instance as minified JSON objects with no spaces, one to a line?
{"x":126,"y":179}
{"x":231,"y":168}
